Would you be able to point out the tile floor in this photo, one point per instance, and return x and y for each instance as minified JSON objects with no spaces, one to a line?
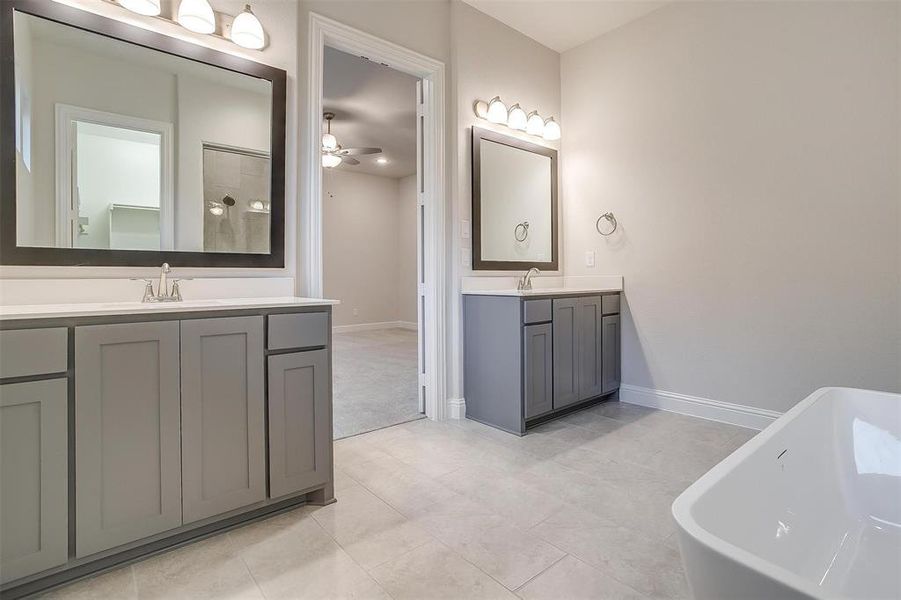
{"x":579,"y":508}
{"x":375,"y":380}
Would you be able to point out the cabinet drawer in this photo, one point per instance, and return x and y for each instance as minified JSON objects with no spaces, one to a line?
{"x":298,"y":330}
{"x":610,"y":304}
{"x":536,"y":311}
{"x":33,"y":351}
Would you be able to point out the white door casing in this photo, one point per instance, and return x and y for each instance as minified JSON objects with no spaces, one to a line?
{"x":430,"y":191}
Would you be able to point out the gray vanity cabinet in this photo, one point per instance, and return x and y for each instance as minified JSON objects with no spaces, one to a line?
{"x":127,"y":442}
{"x":538,"y":369}
{"x":611,"y":353}
{"x":33,"y":470}
{"x":300,"y":432}
{"x":223,"y":415}
{"x":530,"y":359}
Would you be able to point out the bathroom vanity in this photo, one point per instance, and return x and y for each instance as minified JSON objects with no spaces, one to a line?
{"x":128,"y":428}
{"x":530,"y":356}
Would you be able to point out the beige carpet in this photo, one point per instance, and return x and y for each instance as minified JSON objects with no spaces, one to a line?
{"x":374,"y":380}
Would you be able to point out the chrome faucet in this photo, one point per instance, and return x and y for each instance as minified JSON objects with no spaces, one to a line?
{"x":163,"y":293}
{"x":525,"y":282}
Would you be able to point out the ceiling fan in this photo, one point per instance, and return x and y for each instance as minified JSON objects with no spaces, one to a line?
{"x":332,"y":152}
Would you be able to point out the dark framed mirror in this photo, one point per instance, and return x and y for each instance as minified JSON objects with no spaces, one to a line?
{"x":514,"y":203}
{"x":125,"y":147}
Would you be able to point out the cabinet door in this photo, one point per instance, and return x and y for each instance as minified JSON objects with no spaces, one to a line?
{"x":127,"y":457}
{"x":300,"y":422}
{"x":566,"y":352}
{"x":537,"y":371}
{"x":223,"y":415}
{"x":590,"y":347}
{"x":33,"y":477}
{"x":611,"y":346}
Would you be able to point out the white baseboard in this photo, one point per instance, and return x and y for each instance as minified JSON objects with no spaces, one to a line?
{"x":374,"y":326}
{"x":713,"y":410}
{"x":456,"y":408}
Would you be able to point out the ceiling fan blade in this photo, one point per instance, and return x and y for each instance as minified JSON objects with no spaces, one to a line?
{"x":359,"y":151}
{"x":349,"y":161}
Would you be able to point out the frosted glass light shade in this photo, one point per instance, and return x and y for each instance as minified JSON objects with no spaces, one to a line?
{"x":551,"y":130}
{"x":330,"y":161}
{"x":516,"y":118}
{"x":535,"y":124}
{"x":247,"y":31}
{"x":329,"y":142}
{"x":150,"y":8}
{"x":497,"y":110}
{"x":196,"y":16}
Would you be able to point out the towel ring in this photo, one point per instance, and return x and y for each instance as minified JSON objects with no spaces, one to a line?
{"x":521,"y":237}
{"x":610,"y":219}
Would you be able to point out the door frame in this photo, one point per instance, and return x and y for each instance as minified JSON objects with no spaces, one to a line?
{"x":66,"y":116}
{"x":431,"y":194}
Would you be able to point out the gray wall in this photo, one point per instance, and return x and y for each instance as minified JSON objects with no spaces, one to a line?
{"x":750,"y":152}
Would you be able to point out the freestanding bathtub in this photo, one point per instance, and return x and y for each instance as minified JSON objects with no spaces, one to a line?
{"x":809,"y":508}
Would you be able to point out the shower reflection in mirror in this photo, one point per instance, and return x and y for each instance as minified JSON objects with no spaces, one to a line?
{"x":235,"y":193}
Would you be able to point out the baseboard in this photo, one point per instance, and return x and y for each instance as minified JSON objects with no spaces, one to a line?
{"x":456,"y":408}
{"x":713,"y":410}
{"x":374,"y":326}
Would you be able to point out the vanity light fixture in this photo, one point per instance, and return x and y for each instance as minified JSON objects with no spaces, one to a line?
{"x":535,"y":124}
{"x":196,"y":16}
{"x":330,"y":161}
{"x":516,"y":118}
{"x":497,"y":111}
{"x":247,"y":31}
{"x":148,"y":8}
{"x":551,"y":130}
{"x":244,"y":30}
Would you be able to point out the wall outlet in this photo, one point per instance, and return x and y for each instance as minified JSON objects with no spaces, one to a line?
{"x":466,"y":257}
{"x":356,"y":312}
{"x":465,"y":230}
{"x":589,"y":258}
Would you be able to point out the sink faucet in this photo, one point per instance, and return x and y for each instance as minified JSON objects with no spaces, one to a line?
{"x":163,"y":293}
{"x":525,"y":282}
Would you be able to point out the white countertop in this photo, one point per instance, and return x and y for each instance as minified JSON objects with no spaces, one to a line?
{"x":544,"y":285}
{"x":97,"y":309}
{"x":543,"y":291}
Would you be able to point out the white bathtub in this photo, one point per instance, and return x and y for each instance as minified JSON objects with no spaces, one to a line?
{"x":810,"y":507}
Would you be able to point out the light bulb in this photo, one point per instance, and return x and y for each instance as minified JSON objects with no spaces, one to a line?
{"x":247,"y":31}
{"x":551,"y":130}
{"x":329,"y":142}
{"x":382,"y":160}
{"x":497,"y":111}
{"x":256,"y":204}
{"x":196,"y":16}
{"x":535,"y":124}
{"x":516,"y":118}
{"x":330,"y":161}
{"x":150,"y":8}
{"x":217,"y":210}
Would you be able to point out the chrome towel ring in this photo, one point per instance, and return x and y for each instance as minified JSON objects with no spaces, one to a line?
{"x":521,"y":231}
{"x":608,"y":216}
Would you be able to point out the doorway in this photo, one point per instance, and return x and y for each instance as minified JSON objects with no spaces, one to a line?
{"x":371,"y":240}
{"x":430,"y":190}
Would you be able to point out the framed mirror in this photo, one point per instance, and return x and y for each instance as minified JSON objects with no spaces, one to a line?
{"x":514,"y":203}
{"x":124,"y":147}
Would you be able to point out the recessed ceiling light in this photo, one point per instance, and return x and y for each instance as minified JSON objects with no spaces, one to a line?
{"x":382,"y":160}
